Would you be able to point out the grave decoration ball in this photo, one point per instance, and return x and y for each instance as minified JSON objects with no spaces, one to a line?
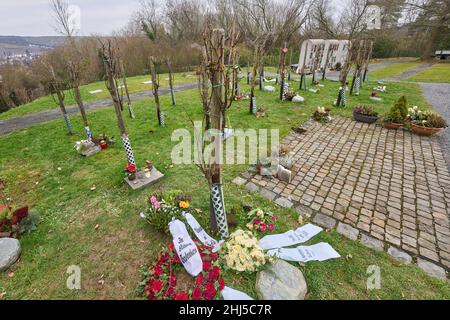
{"x":163,"y":208}
{"x":261,"y":221}
{"x":166,"y":278}
{"x":322,"y":115}
{"x":242,"y":253}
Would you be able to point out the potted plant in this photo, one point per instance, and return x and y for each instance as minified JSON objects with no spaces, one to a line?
{"x":425,"y":123}
{"x":365,"y":114}
{"x":395,"y":118}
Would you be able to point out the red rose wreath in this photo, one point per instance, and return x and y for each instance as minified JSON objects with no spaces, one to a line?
{"x":161,"y":277}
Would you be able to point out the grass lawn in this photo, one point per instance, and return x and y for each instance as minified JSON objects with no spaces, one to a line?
{"x":437,"y":73}
{"x":110,"y":255}
{"x":392,"y":70}
{"x":135,"y":84}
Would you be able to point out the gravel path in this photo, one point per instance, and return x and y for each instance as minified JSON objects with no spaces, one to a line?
{"x":410,"y":72}
{"x":438,"y":95}
{"x":26,"y":121}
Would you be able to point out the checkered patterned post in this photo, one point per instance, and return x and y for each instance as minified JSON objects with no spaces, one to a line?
{"x":219,"y":209}
{"x":131,"y":111}
{"x":68,"y":123}
{"x":88,"y":133}
{"x":128,"y":150}
{"x":343,"y":99}
{"x":357,"y":85}
{"x":162,"y":119}
{"x":285,"y":90}
{"x":254,"y":108}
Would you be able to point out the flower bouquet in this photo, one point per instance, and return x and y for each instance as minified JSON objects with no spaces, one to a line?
{"x":163,"y":208}
{"x":261,"y":221}
{"x":166,"y":279}
{"x":242,"y":252}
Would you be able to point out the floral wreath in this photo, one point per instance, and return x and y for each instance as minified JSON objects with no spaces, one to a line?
{"x":160,"y":277}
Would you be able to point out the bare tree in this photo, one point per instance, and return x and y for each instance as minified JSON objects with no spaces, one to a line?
{"x":76,"y":64}
{"x":432,"y":17}
{"x":127,"y":92}
{"x":171,"y":82}
{"x":154,"y":66}
{"x":215,"y":103}
{"x":353,"y":22}
{"x":56,"y":88}
{"x":108,"y":54}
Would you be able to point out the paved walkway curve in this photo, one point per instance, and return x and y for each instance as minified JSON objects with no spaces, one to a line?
{"x":438,"y":95}
{"x":412,"y":71}
{"x":26,"y":121}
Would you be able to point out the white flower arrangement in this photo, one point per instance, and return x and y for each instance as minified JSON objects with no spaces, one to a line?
{"x":82,"y":145}
{"x":242,"y":252}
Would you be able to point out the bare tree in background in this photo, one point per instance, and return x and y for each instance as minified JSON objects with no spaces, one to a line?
{"x":154,"y":71}
{"x":171,"y":82}
{"x":75,"y":62}
{"x":108,"y":54}
{"x":56,"y":88}
{"x":267,"y":22}
{"x":432,"y":17}
{"x":127,"y":92}
{"x":353,"y":23}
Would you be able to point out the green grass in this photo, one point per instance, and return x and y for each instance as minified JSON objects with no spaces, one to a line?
{"x":135,"y":84}
{"x":69,"y":210}
{"x":392,"y":70}
{"x":436,"y":73}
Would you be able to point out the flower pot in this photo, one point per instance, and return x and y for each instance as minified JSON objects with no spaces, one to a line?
{"x":132,"y":176}
{"x":424,"y":131}
{"x":392,"y":125}
{"x":363,"y":118}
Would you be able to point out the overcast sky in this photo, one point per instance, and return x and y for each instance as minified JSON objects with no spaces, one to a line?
{"x":33,"y":17}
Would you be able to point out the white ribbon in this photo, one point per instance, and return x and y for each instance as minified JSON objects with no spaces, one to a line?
{"x":186,"y":249}
{"x":201,"y":234}
{"x":289,"y":238}
{"x":318,"y":252}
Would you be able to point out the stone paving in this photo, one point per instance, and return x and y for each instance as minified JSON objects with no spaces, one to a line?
{"x":388,"y":188}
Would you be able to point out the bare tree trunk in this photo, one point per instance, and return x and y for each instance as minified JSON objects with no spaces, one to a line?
{"x":217,"y":76}
{"x":367,"y":62}
{"x":60,"y":96}
{"x":253,"y":80}
{"x":127,"y":92}
{"x":79,"y":101}
{"x":172,"y":91}
{"x":431,"y":43}
{"x":112,"y":88}
{"x":283,"y":71}
{"x":56,"y":89}
{"x":155,"y":85}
